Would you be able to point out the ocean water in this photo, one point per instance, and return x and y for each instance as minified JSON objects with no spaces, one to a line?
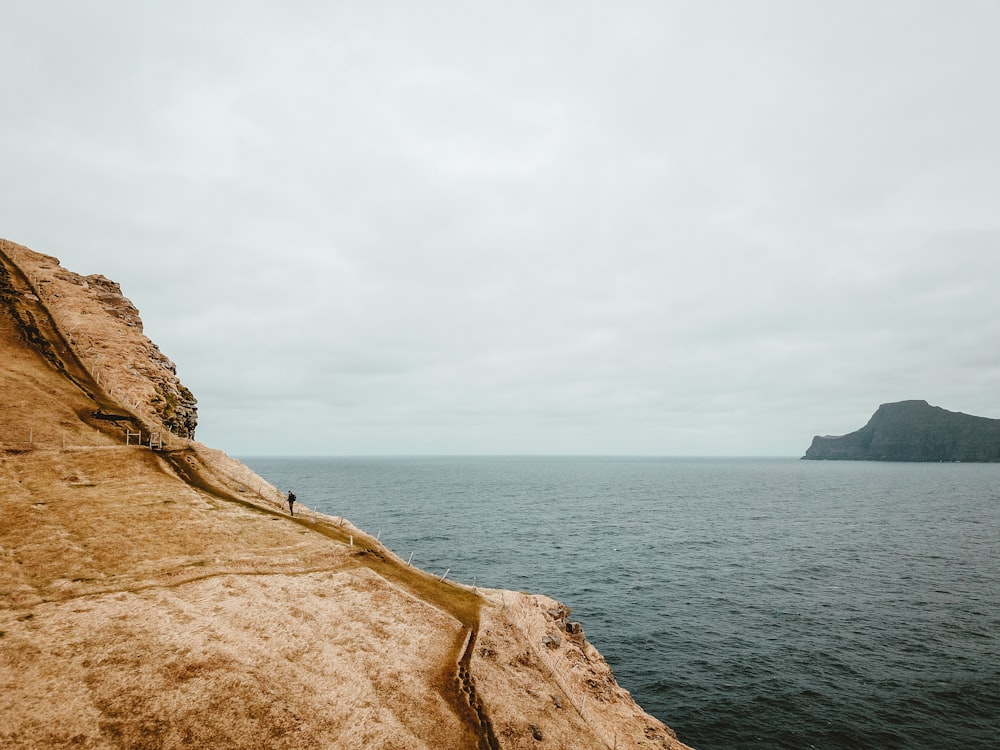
{"x":748,"y":603}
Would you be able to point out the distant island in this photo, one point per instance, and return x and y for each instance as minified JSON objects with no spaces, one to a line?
{"x":914,"y":431}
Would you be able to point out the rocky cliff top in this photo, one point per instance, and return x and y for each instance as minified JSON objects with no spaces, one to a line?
{"x":914,"y":431}
{"x":92,"y":322}
{"x":164,"y":598}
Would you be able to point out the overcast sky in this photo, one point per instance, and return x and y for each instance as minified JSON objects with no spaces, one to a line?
{"x":667,"y":228}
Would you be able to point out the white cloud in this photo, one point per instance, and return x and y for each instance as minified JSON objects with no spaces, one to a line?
{"x":518,"y":228}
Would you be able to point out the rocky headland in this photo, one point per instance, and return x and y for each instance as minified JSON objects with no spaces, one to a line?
{"x":154,"y":592}
{"x":914,"y":431}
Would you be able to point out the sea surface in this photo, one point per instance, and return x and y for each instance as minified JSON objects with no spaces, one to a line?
{"x":748,"y":603}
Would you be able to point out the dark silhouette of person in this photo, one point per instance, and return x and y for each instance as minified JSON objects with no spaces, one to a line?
{"x":291,"y":503}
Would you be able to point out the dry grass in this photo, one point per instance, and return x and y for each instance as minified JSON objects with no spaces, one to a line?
{"x":277,"y":661}
{"x":154,"y":614}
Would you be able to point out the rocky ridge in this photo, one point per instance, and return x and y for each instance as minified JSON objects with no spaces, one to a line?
{"x":164,"y":598}
{"x":104,"y":332}
{"x":913,"y":431}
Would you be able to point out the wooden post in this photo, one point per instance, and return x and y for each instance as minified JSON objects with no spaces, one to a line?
{"x":410,"y":558}
{"x":443,"y":575}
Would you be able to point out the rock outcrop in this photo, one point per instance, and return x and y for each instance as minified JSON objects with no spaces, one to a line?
{"x":159,"y":595}
{"x":914,"y":431}
{"x":87,"y":329}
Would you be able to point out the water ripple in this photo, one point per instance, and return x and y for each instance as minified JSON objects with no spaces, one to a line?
{"x":748,"y":603}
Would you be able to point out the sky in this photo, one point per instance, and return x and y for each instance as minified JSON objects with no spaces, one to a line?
{"x":630,"y":228}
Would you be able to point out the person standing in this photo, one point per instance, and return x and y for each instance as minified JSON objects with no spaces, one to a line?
{"x":291,"y":503}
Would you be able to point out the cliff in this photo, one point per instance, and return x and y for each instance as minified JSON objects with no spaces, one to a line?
{"x":155,"y":593}
{"x":914,"y":431}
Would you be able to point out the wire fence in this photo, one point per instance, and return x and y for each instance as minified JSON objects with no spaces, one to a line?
{"x":32,"y":439}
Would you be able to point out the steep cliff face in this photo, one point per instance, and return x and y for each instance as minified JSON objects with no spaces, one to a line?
{"x":914,"y":431}
{"x":171,"y":402}
{"x":164,"y":598}
{"x":91,"y":332}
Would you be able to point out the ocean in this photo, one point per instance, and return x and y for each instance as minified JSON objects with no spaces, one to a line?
{"x":748,"y":603}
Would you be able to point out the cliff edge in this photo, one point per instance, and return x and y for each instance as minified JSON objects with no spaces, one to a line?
{"x":914,"y":431}
{"x":155,"y":593}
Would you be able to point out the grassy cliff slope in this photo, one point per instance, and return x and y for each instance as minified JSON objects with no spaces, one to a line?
{"x":164,"y":599}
